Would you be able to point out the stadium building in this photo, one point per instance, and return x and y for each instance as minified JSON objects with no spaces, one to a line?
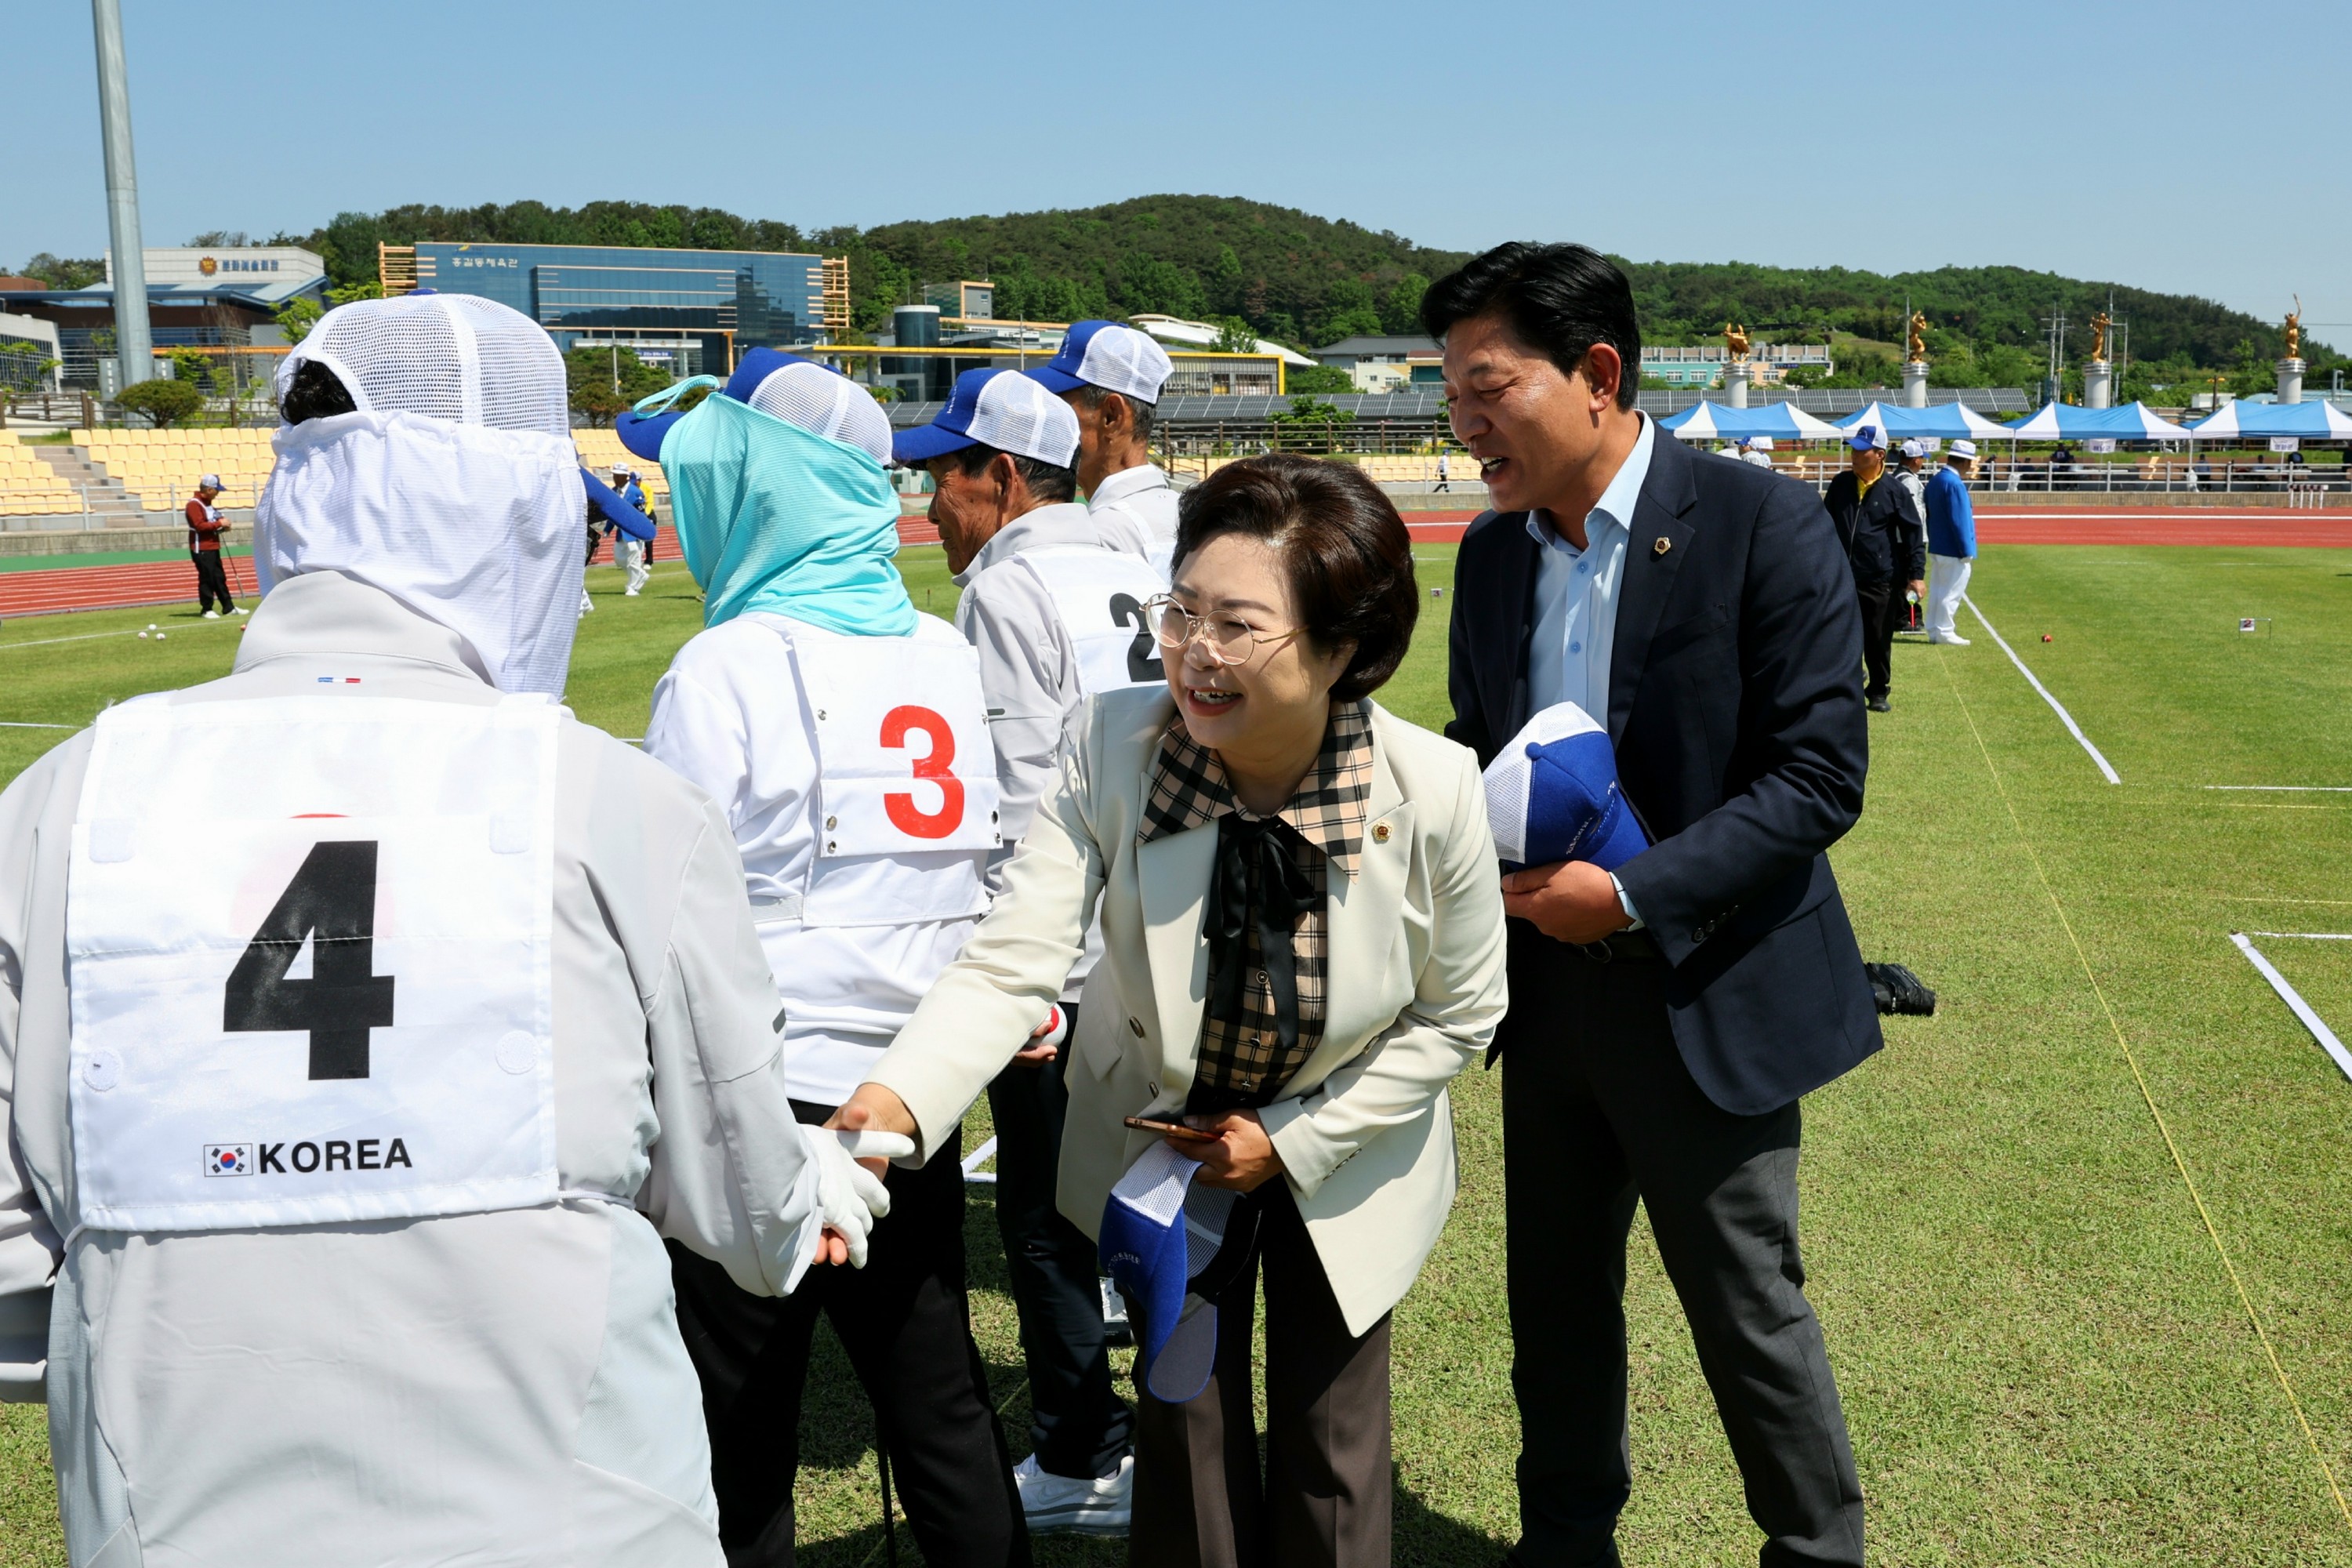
{"x":688,"y":311}
{"x":217,"y":300}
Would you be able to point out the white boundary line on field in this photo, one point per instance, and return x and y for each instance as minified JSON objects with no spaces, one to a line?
{"x":2055,"y":706}
{"x":975,"y":1160}
{"x":21,"y":724}
{"x":2294,"y":999}
{"x":2307,"y":935}
{"x":2286,"y":789}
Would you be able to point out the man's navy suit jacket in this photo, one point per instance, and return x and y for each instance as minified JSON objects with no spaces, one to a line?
{"x":1736,"y":709}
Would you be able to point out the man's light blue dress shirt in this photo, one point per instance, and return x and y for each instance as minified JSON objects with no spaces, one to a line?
{"x":1576,"y":599}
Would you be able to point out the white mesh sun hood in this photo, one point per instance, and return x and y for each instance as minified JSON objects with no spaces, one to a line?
{"x":455,"y":489}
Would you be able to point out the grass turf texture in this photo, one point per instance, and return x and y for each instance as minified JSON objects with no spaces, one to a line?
{"x":2043,"y":1357}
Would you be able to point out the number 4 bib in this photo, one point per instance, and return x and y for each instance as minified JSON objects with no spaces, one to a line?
{"x":310,"y":960}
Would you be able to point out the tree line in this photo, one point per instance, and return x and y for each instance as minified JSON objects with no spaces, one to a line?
{"x":1307,"y":281}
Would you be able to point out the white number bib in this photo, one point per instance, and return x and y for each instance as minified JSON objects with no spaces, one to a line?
{"x":1100,"y":595}
{"x":310,"y":951}
{"x":902,"y":744}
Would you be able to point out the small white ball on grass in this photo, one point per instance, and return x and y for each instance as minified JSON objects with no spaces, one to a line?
{"x":159,"y":636}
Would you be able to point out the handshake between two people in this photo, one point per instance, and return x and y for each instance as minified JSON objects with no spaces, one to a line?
{"x":1562,"y":823}
{"x":872,"y":1130}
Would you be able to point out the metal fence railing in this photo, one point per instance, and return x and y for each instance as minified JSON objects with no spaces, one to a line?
{"x":2303,"y":484}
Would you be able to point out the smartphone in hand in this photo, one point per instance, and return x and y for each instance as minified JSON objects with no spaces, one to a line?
{"x":1170,"y":1128}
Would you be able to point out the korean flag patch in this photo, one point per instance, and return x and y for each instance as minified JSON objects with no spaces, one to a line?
{"x":228,"y":1159}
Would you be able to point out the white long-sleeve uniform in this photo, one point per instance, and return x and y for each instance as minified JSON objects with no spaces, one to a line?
{"x":1031,"y":663}
{"x":1135,"y":511}
{"x":503,"y":1387}
{"x":854,"y":940}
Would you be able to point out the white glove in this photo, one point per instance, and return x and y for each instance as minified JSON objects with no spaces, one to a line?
{"x":850,"y":1197}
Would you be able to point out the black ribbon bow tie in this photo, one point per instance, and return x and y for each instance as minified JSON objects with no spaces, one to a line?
{"x":1257,"y":881}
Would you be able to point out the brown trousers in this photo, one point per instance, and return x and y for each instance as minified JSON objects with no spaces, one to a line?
{"x":1324,"y":1499}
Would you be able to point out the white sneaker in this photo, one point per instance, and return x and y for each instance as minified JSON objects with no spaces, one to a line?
{"x":1052,"y":1503}
{"x":1951,"y":639}
{"x":628,"y":593}
{"x":212,"y":615}
{"x":240,"y":610}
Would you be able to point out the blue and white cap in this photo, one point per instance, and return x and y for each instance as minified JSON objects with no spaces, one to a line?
{"x":1552,"y":794}
{"x":1867,"y":438}
{"x":1106,"y":354}
{"x":798,"y":391}
{"x":1171,"y":1246}
{"x":999,"y":408}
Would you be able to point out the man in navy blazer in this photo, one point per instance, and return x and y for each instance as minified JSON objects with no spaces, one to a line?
{"x":1666,"y":1019}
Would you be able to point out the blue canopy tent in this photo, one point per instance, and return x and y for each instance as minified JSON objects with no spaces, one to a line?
{"x":1720,"y":422}
{"x":1940,"y":421}
{"x":2065,"y":422}
{"x":2314,"y":421}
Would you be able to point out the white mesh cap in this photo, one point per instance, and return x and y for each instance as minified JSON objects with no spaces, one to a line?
{"x":446,"y":357}
{"x":1122,"y":360}
{"x":1014,"y":414}
{"x":826,"y":402}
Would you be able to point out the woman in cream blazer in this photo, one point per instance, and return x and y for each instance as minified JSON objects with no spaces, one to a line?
{"x":1362,"y":1130}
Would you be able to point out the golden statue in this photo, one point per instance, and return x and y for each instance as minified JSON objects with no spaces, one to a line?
{"x":2294,"y":331}
{"x":1735,"y":338}
{"x":2099,"y":325}
{"x":1915,"y":347}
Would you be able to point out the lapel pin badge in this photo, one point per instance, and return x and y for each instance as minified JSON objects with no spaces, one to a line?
{"x":1379,"y":832}
{"x":1662,"y":546}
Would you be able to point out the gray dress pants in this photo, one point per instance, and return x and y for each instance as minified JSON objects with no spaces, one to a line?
{"x":1323,"y":1500}
{"x":1598,"y":1114}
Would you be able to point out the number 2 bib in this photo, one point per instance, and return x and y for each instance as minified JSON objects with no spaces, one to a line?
{"x":311,"y":954}
{"x":1100,"y":595}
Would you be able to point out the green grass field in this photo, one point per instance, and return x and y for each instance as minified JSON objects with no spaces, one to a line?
{"x":2048,"y":1354}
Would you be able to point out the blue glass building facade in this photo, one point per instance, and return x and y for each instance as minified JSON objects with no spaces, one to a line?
{"x":692,"y":312}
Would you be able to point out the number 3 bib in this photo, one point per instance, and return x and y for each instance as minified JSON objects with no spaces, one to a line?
{"x":310,"y":959}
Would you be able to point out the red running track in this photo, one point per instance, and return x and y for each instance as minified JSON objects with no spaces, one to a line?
{"x":50,"y":590}
{"x":47,"y":591}
{"x":2274,"y":527}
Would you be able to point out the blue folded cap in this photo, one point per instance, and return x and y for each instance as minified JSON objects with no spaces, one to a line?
{"x":1552,"y":794}
{"x":1171,"y":1247}
{"x":641,"y":433}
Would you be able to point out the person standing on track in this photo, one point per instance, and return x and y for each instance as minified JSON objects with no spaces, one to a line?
{"x":1886,"y":542}
{"x":207,"y":527}
{"x":844,"y":737}
{"x":1951,"y":540}
{"x":1111,"y":376}
{"x":1058,"y":614}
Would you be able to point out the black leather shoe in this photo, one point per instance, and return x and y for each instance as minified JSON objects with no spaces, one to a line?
{"x":1878,"y":705}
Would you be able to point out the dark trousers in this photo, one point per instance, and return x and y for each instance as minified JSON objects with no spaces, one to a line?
{"x":1324,"y":1499}
{"x":906,"y":1324}
{"x":1878,"y":619}
{"x":1601,"y":1113}
{"x":1079,"y":1426}
{"x":212,"y":582}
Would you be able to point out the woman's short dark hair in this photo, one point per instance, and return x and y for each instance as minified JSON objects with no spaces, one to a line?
{"x":1342,"y":546}
{"x":1559,"y":299}
{"x":315,"y":393}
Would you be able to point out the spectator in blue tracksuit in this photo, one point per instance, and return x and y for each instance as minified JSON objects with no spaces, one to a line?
{"x":1951,"y":540}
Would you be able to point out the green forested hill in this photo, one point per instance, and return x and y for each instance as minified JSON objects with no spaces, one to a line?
{"x":1308,"y":280}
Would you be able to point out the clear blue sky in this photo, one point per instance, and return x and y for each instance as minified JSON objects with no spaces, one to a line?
{"x":2107,"y":141}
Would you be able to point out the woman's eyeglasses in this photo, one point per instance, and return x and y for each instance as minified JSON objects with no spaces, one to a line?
{"x":1228,"y":638}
